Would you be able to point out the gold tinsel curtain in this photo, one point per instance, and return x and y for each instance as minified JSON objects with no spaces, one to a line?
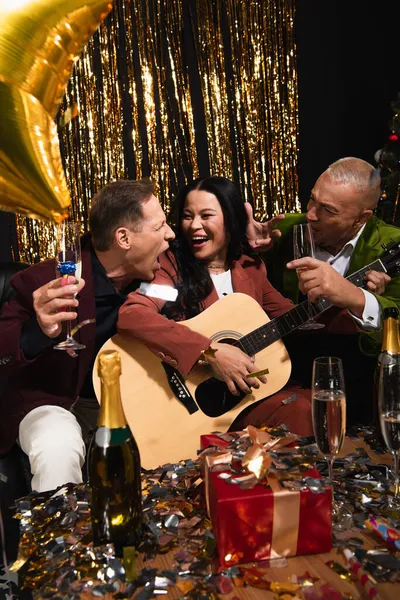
{"x":174,"y":89}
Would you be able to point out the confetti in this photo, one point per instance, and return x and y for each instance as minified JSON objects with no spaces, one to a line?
{"x":56,"y":534}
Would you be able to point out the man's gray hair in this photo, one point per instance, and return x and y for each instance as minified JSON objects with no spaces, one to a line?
{"x":355,"y":172}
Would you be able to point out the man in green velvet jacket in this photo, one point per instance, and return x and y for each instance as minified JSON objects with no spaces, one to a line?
{"x":347,"y":237}
{"x":368,"y":249}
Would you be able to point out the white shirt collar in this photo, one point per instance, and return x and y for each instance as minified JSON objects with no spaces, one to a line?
{"x":354,"y":240}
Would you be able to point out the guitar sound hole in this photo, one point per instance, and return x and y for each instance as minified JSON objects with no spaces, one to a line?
{"x":213,"y":396}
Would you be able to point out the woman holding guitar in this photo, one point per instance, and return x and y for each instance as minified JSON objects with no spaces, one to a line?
{"x":209,"y":259}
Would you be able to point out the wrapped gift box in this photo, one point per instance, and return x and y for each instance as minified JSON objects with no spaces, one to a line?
{"x":263,"y":523}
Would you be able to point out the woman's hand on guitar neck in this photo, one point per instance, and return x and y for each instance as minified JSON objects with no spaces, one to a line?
{"x":233,"y":365}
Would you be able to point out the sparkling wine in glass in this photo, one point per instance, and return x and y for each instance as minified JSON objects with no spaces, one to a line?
{"x":68,"y":263}
{"x":390,"y":421}
{"x":389,"y":391}
{"x":303,"y":245}
{"x":329,"y":417}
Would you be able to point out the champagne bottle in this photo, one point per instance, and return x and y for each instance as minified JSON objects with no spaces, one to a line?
{"x":114,"y":466}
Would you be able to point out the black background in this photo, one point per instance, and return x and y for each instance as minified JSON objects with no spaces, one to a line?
{"x":349,"y":72}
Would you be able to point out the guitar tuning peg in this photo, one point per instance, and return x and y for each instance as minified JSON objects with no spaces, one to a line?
{"x":384,"y":247}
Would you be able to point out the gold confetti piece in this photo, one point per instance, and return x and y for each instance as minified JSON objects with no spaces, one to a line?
{"x":339,"y":569}
{"x":280,"y":588}
{"x":82,"y":324}
{"x":258,"y":373}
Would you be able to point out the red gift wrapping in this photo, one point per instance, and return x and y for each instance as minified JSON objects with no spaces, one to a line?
{"x":260,"y":523}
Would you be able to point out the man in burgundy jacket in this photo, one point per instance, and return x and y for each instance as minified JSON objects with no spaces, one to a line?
{"x":49,"y":403}
{"x":42,"y":385}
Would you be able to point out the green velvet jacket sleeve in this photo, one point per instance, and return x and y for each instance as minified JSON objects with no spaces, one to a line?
{"x":370,"y":247}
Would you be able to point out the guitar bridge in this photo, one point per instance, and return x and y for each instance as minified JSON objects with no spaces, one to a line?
{"x":179,"y":388}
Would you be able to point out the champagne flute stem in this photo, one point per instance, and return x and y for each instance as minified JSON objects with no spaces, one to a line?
{"x":396,"y":473}
{"x":68,"y":329}
{"x":335,"y":505}
{"x":329,"y":460}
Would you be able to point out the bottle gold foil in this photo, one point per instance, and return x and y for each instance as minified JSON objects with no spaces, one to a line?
{"x":391,"y":339}
{"x":111,"y":412}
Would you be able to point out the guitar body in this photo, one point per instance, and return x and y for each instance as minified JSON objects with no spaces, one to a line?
{"x":167,"y":429}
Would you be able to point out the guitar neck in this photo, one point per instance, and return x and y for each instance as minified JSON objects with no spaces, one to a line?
{"x":277,"y":328}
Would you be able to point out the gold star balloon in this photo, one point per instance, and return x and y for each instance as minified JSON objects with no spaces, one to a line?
{"x":39,"y":42}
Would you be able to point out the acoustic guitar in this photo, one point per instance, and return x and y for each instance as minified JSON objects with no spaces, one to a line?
{"x":168,"y":412}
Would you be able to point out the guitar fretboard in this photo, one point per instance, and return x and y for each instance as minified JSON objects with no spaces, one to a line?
{"x":275,"y":329}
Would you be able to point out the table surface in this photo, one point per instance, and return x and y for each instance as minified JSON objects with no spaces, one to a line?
{"x":314,"y":564}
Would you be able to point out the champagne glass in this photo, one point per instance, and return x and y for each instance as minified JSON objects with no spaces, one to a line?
{"x":68,"y":263}
{"x":389,"y":411}
{"x":303,"y":245}
{"x":329,"y":418}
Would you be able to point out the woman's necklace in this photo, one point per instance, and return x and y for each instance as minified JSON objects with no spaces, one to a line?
{"x":213,"y":267}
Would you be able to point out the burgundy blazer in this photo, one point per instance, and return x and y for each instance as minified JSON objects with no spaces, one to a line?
{"x":53,"y":377}
{"x":140,"y":315}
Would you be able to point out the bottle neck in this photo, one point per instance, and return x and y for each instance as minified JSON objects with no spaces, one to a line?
{"x":111,"y":413}
{"x":391,"y":341}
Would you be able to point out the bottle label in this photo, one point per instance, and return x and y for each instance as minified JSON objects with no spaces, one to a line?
{"x":105,"y":437}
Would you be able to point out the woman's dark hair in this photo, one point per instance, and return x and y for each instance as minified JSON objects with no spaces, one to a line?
{"x":194,"y":281}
